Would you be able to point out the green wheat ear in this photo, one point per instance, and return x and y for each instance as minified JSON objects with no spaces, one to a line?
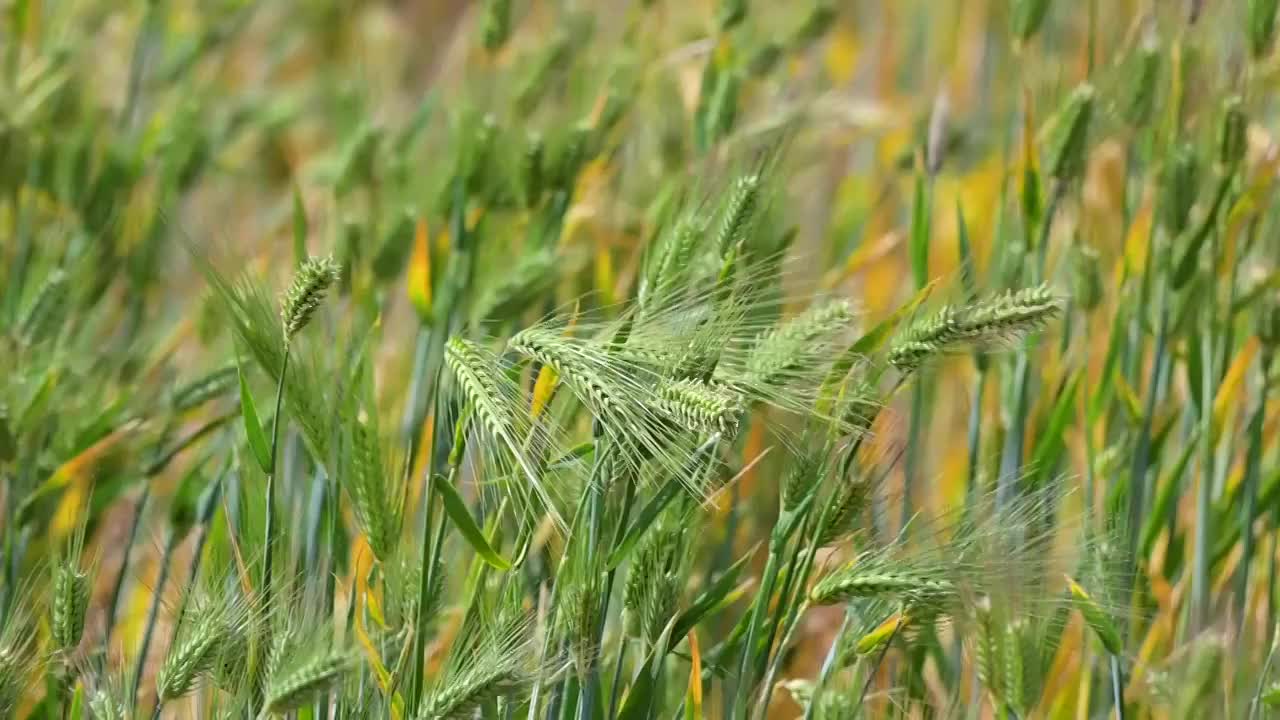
{"x":999,"y":319}
{"x":17,"y":657}
{"x":305,"y":293}
{"x":70,"y":597}
{"x":493,"y":662}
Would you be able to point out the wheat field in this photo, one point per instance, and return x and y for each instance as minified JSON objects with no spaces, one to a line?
{"x":625,"y":359}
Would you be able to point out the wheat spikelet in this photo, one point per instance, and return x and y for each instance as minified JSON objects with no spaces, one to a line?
{"x":849,"y":502}
{"x":998,"y":319}
{"x":305,"y":293}
{"x":798,"y":342}
{"x":307,"y":680}
{"x":45,"y":314}
{"x":214,"y":384}
{"x":17,"y":658}
{"x":70,"y":597}
{"x":856,"y":582}
{"x":492,"y":661}
{"x":739,"y":214}
{"x":211,"y":631}
{"x":494,"y":401}
{"x":706,"y":407}
{"x":378,"y":499}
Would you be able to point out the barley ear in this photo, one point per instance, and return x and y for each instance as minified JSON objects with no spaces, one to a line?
{"x":305,"y":293}
{"x":1096,"y":618}
{"x":1068,"y":153}
{"x":70,"y":601}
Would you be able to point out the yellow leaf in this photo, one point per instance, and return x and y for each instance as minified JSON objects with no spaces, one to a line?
{"x":76,"y":475}
{"x":1246,"y":208}
{"x":375,"y":659}
{"x":883,"y":632}
{"x":419,"y":274}
{"x":1232,"y":382}
{"x":695,"y":677}
{"x":1137,"y":239}
{"x":604,"y":273}
{"x":842,"y":54}
{"x":543,"y":390}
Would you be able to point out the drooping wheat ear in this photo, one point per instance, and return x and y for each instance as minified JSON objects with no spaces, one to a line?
{"x":378,"y":503}
{"x":533,"y":168}
{"x":490,"y":395}
{"x":653,"y":585}
{"x":1028,"y":16}
{"x":1262,"y":26}
{"x":731,"y":13}
{"x":989,"y":648}
{"x":802,"y":478}
{"x":404,"y":580}
{"x":849,"y":502}
{"x":1068,"y":153}
{"x":308,"y":680}
{"x":205,"y":388}
{"x":861,"y":408}
{"x":497,"y":24}
{"x":999,"y":319}
{"x":1096,"y":617}
{"x":1233,"y":134}
{"x":230,"y":672}
{"x":671,"y":261}
{"x":70,"y":599}
{"x":17,"y":658}
{"x":1179,"y":179}
{"x":45,"y":313}
{"x":491,"y":662}
{"x":1144,"y":79}
{"x":306,"y":292}
{"x":1015,"y":680}
{"x":209,"y":632}
{"x":705,"y":407}
{"x":480,"y":385}
{"x":191,"y":656}
{"x":798,"y":342}
{"x":739,"y":214}
{"x":459,"y":700}
{"x":105,"y":705}
{"x":580,"y":618}
{"x":873,"y":579}
{"x":574,"y":364}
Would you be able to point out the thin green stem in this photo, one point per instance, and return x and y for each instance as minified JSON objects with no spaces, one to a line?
{"x":270,"y":531}
{"x":157,"y":597}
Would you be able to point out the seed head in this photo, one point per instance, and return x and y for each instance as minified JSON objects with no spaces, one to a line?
{"x":731,"y":13}
{"x":1268,"y":324}
{"x":1067,"y":156}
{"x":1086,"y":277}
{"x":1096,"y":617}
{"x":47,"y":310}
{"x":1179,"y":180}
{"x":497,"y":24}
{"x":70,"y":599}
{"x":1262,"y":26}
{"x":307,"y":680}
{"x":1028,"y":16}
{"x":305,"y":293}
{"x":998,"y":319}
{"x":1233,"y":137}
{"x":1145,"y":74}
